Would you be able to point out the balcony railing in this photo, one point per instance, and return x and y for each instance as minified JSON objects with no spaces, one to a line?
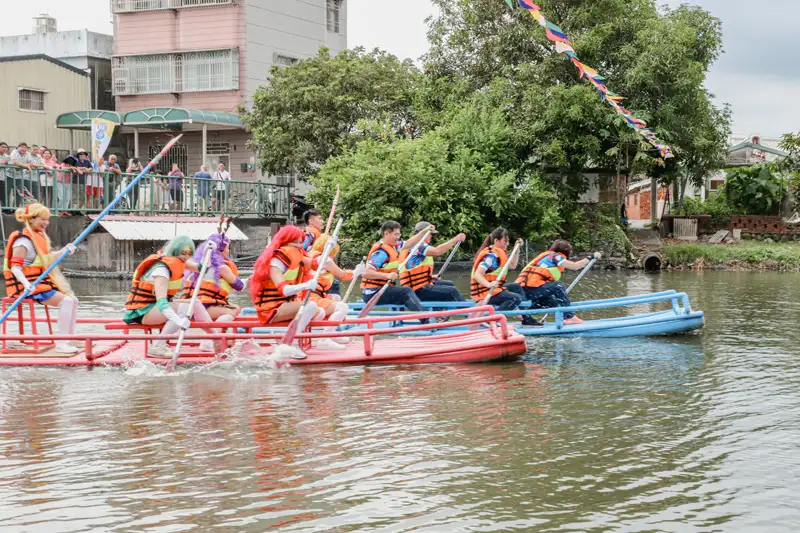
{"x":64,"y":191}
{"x":182,"y":72}
{"x":132,"y":6}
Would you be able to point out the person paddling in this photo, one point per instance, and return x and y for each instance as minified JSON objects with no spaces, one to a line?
{"x":277,"y":281}
{"x":382,"y":264}
{"x":27,"y":255}
{"x":492,"y":256}
{"x":314,"y":224}
{"x":220,"y":280}
{"x":418,"y":272}
{"x":335,"y":310}
{"x":152,"y":298}
{"x":541,"y":278}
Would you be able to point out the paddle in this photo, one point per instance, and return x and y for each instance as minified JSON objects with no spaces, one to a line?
{"x":333,"y":210}
{"x":353,"y":283}
{"x":586,"y":269}
{"x":377,"y":296}
{"x":291,"y":331}
{"x":89,"y":228}
{"x":449,"y":258}
{"x":210,"y":247}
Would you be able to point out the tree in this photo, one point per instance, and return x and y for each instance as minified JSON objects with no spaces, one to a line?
{"x":311,"y":110}
{"x":463,"y":176}
{"x":657,"y":59}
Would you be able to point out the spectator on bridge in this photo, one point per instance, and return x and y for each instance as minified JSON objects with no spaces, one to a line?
{"x":4,"y":158}
{"x":221,"y":176}
{"x":176,"y":187}
{"x":134,"y":167}
{"x":67,"y":169}
{"x":46,"y":181}
{"x":19,"y":158}
{"x":203,"y":181}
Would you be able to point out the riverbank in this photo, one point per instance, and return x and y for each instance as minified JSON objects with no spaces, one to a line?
{"x":745,"y":255}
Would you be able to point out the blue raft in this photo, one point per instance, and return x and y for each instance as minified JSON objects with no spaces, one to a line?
{"x":680,"y":318}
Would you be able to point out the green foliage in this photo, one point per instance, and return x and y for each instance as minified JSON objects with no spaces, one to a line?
{"x":598,"y":228}
{"x":781,"y":256}
{"x":312,"y":109}
{"x":754,"y":190}
{"x":459,"y":177}
{"x":716,"y":206}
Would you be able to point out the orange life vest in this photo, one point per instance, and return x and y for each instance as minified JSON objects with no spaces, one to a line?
{"x":269,"y":299}
{"x":419,"y":276}
{"x":390,"y":266}
{"x":534,"y":275}
{"x":325,"y":281}
{"x":477,"y":291}
{"x":143,"y":292}
{"x":210,"y":293}
{"x":13,"y":287}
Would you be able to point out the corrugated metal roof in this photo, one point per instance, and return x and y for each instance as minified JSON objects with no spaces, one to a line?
{"x":150,"y":230}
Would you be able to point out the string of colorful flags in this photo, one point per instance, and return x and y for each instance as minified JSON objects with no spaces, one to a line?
{"x":563,"y":46}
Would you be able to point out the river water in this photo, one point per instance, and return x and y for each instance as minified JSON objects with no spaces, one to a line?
{"x":689,"y":433}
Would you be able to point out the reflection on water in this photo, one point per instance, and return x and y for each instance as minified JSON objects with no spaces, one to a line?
{"x":692,"y":433}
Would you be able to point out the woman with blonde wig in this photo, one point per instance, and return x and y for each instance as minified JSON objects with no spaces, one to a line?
{"x":27,"y":256}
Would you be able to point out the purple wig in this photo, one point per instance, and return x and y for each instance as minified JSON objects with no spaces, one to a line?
{"x":217,"y":260}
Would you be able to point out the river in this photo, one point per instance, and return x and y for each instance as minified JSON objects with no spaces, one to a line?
{"x":689,"y":433}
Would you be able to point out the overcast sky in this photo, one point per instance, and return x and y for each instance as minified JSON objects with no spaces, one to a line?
{"x":757,"y":75}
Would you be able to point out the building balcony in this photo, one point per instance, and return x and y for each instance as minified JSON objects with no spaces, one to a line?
{"x":134,"y":6}
{"x":179,"y":72}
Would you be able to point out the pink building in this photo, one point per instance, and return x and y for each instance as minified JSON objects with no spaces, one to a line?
{"x":188,"y":65}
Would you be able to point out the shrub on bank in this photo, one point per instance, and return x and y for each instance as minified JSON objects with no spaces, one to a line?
{"x":751,"y":254}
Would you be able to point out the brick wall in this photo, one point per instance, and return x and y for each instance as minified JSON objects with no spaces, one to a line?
{"x":763,"y":224}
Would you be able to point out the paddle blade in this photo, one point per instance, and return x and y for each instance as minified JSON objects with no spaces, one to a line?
{"x":373,"y":301}
{"x":291,"y":331}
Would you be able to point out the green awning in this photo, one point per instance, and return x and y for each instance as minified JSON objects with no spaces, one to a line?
{"x":82,"y":120}
{"x":169,"y":116}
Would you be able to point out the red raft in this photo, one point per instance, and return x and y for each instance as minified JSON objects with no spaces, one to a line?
{"x":123,"y":344}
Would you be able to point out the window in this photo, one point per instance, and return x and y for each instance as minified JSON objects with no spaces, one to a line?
{"x":333,"y":15}
{"x":30,"y":100}
{"x":211,"y":70}
{"x":284,"y":61}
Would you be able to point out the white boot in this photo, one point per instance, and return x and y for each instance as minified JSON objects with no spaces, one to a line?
{"x":207,"y":346}
{"x":339,"y":314}
{"x":294,"y":352}
{"x":67,"y":315}
{"x":329,"y":344}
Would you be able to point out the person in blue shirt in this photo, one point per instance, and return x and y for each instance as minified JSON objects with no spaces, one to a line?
{"x":382,"y":265}
{"x":203,"y":188}
{"x":541,"y":278}
{"x":418,"y":272}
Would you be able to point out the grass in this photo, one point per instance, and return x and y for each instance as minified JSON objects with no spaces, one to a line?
{"x":749,"y":254}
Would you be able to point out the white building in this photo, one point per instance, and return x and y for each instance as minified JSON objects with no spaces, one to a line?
{"x":83,"y":49}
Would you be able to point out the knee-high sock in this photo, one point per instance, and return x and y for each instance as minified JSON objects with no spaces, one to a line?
{"x":67,"y":314}
{"x":171,"y":327}
{"x":309,"y":313}
{"x":338,"y":315}
{"x":201,"y":314}
{"x":222,"y":319}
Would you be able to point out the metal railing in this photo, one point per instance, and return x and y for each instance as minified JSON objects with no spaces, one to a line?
{"x":131,"y":6}
{"x":69,"y":192}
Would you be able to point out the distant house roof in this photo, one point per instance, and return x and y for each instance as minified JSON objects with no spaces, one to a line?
{"x":43,"y":57}
{"x":762,"y":147}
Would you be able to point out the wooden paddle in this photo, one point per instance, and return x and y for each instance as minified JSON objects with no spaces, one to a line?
{"x":377,"y":296}
{"x":291,"y":331}
{"x":333,"y":210}
{"x":353,"y":283}
{"x":210,"y":247}
{"x":449,"y":258}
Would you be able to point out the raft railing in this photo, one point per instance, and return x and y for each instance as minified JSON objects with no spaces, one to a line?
{"x":497,"y":323}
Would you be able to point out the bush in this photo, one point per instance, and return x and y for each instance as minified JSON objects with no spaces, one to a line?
{"x":716,"y":206}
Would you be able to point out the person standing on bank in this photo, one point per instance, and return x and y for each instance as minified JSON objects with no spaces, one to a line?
{"x":541,"y":278}
{"x":418,"y":272}
{"x":220,"y":177}
{"x":382,"y":265}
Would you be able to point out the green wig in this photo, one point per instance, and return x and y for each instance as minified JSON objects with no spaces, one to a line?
{"x":177,"y":245}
